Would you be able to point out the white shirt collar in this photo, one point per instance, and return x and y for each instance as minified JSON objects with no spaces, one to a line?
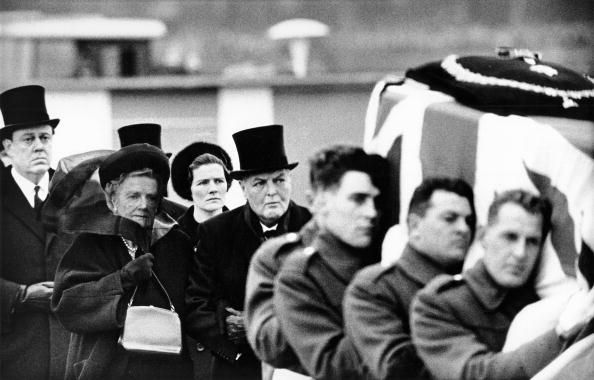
{"x":264,"y":228}
{"x":28,"y":187}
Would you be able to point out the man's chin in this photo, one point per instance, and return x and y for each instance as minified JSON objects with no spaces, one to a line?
{"x":39,"y":168}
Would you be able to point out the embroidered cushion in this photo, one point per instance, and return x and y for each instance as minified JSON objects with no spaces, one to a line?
{"x":521,"y":85}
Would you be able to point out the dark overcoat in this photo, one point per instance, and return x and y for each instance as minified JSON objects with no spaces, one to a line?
{"x":376,"y":308}
{"x":308,"y":295}
{"x":226,"y":244}
{"x":33,"y":343}
{"x":459,"y":325}
{"x":90,"y":300}
{"x":201,"y":357}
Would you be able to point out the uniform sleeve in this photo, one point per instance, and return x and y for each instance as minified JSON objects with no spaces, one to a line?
{"x":88,"y":292}
{"x":451,"y":350}
{"x":262,"y":326}
{"x":374,"y":320}
{"x":205,"y":314}
{"x":313,"y":329}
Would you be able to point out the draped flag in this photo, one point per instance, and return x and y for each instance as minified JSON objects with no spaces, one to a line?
{"x":426,"y":133}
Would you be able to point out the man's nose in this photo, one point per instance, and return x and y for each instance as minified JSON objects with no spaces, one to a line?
{"x":271,"y":188}
{"x":37,"y":144}
{"x":369,"y":209}
{"x":519,"y":249}
{"x":462,"y":226}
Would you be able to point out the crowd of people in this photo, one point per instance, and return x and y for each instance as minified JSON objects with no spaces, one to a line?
{"x":268,"y":290}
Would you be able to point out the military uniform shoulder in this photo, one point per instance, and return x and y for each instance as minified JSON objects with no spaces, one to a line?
{"x":301,"y":258}
{"x":444,"y":283}
{"x":283,"y":242}
{"x":373,"y":273}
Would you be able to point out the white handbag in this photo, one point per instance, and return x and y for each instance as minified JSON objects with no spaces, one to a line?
{"x":151,"y":329}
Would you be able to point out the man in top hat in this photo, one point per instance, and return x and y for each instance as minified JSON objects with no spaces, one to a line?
{"x":226,"y":243}
{"x":34,"y":344}
{"x":149,"y":133}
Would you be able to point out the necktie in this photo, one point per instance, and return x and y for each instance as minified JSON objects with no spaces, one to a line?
{"x":37,"y":202}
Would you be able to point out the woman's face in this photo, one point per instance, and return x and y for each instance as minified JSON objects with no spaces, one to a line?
{"x":209,"y":187}
{"x":137,"y":198}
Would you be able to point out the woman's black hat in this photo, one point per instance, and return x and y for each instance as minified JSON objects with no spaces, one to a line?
{"x":134,"y":157}
{"x":24,"y":107}
{"x":148,"y":133}
{"x":260,"y":150}
{"x":179,"y":166}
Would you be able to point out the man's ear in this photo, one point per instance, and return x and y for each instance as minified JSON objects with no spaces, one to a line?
{"x":412,"y":221}
{"x":6,"y":143}
{"x":319,"y":201}
{"x":481,"y":231}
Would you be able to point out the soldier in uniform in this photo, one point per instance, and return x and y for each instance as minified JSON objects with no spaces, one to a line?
{"x":310,"y":285}
{"x":262,"y":328}
{"x":459,"y":323}
{"x":441,"y":224}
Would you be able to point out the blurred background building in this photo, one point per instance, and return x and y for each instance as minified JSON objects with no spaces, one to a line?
{"x":204,"y":69}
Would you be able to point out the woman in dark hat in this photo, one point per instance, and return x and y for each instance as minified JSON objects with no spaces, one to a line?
{"x":125,"y":252}
{"x":200,"y":173}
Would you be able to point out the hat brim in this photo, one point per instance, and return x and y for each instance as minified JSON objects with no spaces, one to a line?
{"x":8,"y":129}
{"x":240,"y":174}
{"x":134,"y":157}
{"x":182,"y":160}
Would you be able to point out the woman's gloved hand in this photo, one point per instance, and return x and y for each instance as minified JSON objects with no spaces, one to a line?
{"x":137,"y":270}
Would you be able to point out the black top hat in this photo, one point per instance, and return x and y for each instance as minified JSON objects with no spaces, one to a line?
{"x":181,"y":162}
{"x":261,"y":149}
{"x":24,"y":107}
{"x":134,"y":157}
{"x":148,"y":133}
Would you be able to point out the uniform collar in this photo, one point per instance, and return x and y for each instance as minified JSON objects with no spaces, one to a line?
{"x":28,"y":187}
{"x":419,"y":266}
{"x":344,"y":259}
{"x":482,"y":285}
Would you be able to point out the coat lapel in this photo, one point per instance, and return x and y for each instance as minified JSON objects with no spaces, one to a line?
{"x":16,"y":203}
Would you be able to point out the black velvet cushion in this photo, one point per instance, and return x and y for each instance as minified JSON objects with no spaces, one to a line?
{"x":520,"y":85}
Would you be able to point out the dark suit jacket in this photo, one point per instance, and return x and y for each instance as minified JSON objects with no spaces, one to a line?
{"x":218,"y":275}
{"x":34,"y":344}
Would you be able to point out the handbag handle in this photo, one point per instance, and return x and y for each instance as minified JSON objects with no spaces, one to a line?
{"x":153,"y":274}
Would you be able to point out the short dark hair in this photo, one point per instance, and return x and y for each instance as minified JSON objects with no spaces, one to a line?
{"x":532,"y":203}
{"x":327,"y":166}
{"x":205,"y":159}
{"x":419,"y":202}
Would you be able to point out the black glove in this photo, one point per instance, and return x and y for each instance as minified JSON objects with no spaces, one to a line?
{"x":37,"y":297}
{"x":138,"y":270}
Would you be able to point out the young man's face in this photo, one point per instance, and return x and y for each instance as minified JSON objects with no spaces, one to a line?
{"x":268,"y":194}
{"x":30,"y":150}
{"x":512,"y":245}
{"x":444,"y":232}
{"x":348,"y":211}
